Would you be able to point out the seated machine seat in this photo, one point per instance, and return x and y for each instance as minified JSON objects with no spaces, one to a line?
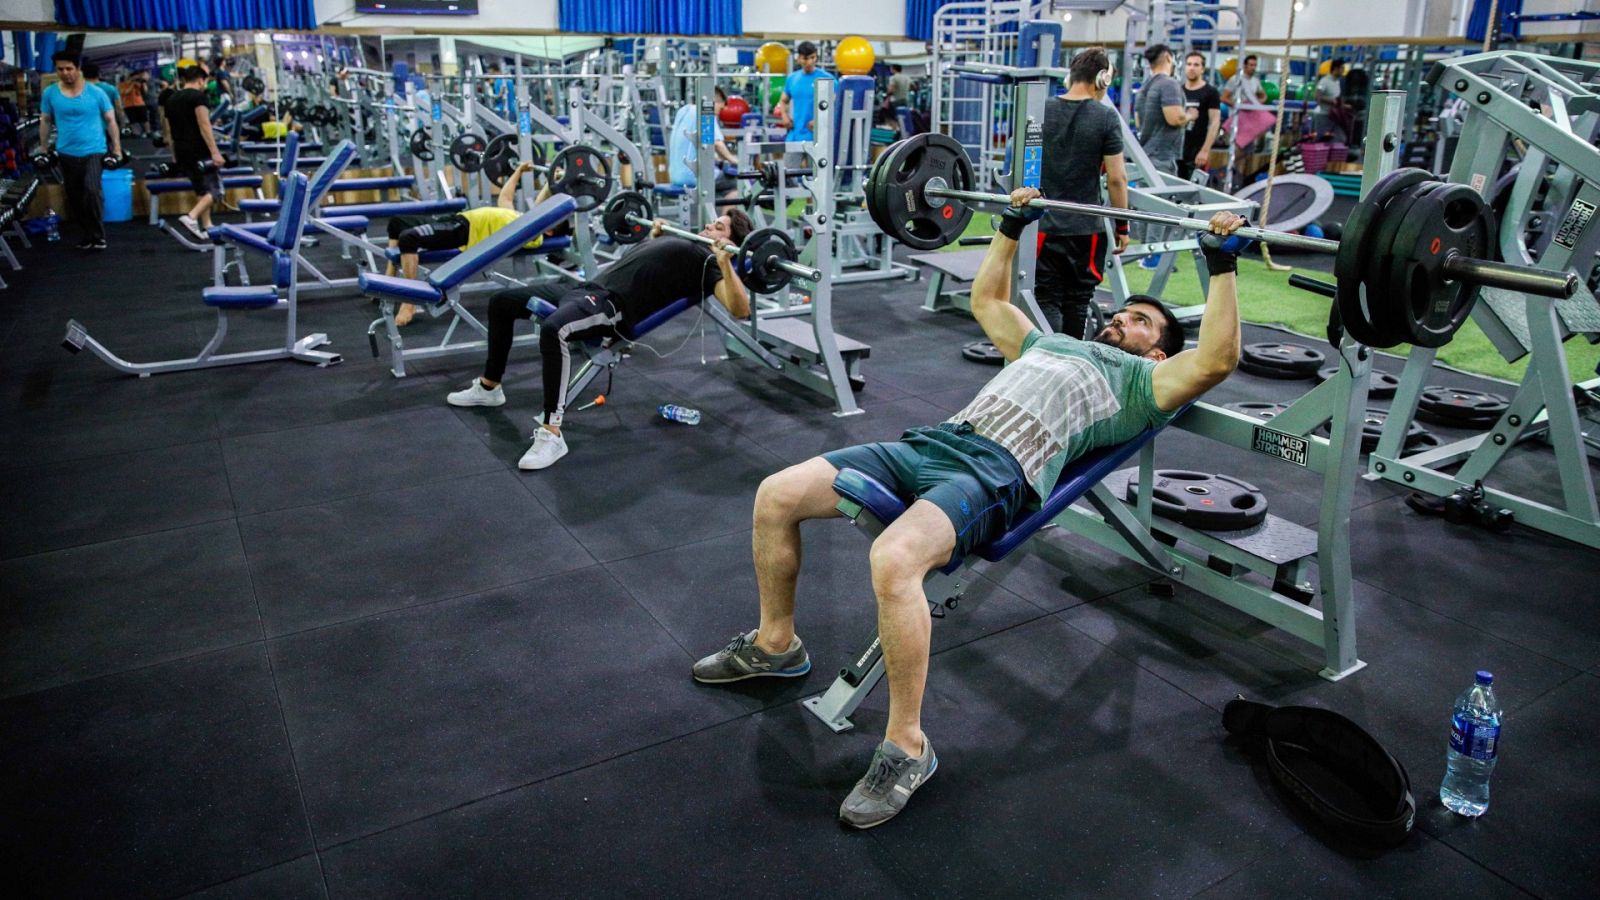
{"x":1077,"y":477}
{"x":413,"y":290}
{"x":668,"y":190}
{"x":249,"y":296}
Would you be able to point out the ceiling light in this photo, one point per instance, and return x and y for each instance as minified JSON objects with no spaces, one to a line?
{"x":800,"y":6}
{"x":1066,"y":17}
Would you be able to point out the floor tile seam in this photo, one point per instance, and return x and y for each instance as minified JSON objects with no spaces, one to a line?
{"x":706,"y":539}
{"x":241,"y":876}
{"x":647,"y":611}
{"x":410,"y":485}
{"x":7,"y":473}
{"x":358,"y":417}
{"x":623,"y":754}
{"x":1442,"y":841}
{"x":1469,"y":625}
{"x":435,"y":601}
{"x":123,"y":537}
{"x":527,"y":483}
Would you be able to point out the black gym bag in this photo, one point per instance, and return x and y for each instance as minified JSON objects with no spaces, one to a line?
{"x":1331,"y":767}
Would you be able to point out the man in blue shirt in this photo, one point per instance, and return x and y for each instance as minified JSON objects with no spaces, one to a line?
{"x":799,"y":101}
{"x":77,"y":122}
{"x":91,"y":74}
{"x":684,"y":146}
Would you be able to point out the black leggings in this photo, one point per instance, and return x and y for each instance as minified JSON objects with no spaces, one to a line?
{"x":1069,"y":269}
{"x":416,"y":233}
{"x":583,"y":312}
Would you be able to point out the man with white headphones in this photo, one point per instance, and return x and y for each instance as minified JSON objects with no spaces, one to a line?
{"x":1082,"y":135}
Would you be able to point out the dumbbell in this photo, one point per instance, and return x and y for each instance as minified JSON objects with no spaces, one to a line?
{"x":44,"y":160}
{"x":116,"y":160}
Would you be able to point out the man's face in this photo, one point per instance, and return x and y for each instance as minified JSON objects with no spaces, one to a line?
{"x":808,"y":64}
{"x":719,"y":230}
{"x":1135,"y":328}
{"x":68,"y":72}
{"x":1250,"y":66}
{"x":1194,"y":68}
{"x":718,"y":102}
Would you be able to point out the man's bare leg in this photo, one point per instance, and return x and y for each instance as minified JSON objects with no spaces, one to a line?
{"x":408,"y":268}
{"x":784,"y":500}
{"x":921,"y":539}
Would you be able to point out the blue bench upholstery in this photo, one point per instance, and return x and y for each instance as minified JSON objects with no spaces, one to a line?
{"x":291,"y":154}
{"x":320,"y":181}
{"x":281,"y":240}
{"x":174,"y":185}
{"x":668,"y":190}
{"x":548,"y":245}
{"x":1076,"y":478}
{"x":476,"y":258}
{"x":250,"y":296}
{"x":374,"y":183}
{"x":255,"y":240}
{"x":398,"y":208}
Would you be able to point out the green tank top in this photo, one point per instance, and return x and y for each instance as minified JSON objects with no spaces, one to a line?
{"x":1061,"y":398}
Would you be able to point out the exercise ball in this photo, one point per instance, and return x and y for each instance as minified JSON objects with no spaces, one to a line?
{"x":772,"y":57}
{"x":854,"y":56}
{"x":1312,"y":230}
{"x":1229,"y":68}
{"x":774,"y":95}
{"x":733,"y":111}
{"x":1326,"y":67}
{"x":1333,"y":230}
{"x":1270,"y":88}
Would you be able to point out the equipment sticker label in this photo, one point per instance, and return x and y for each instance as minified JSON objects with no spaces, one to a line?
{"x":1574,"y":224}
{"x":1286,"y":447}
{"x":524,"y":122}
{"x":1033,"y":155}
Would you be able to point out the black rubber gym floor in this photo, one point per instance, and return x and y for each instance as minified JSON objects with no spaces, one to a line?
{"x":279,"y":631}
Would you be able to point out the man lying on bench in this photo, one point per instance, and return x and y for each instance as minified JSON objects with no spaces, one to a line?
{"x":454,"y":231}
{"x":972,"y":477}
{"x":649,"y":278}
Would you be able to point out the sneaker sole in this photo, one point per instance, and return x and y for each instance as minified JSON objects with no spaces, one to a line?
{"x":785,"y":673}
{"x":534,"y":467}
{"x":469,"y":403}
{"x":926,"y":778}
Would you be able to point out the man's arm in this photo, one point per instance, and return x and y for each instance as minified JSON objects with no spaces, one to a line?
{"x":730,"y":290}
{"x":1004,"y":324}
{"x":508,"y":191}
{"x":1227,"y":90}
{"x":720,"y":148}
{"x":202,"y":117}
{"x":1180,"y":379}
{"x":1214,"y":125}
{"x":113,"y":133}
{"x":1117,"y":191}
{"x":47,"y":126}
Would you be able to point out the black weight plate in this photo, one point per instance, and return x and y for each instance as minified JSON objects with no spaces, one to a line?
{"x":500,"y":158}
{"x":756,"y":257}
{"x":1461,"y":407}
{"x":914,"y":218}
{"x":254,"y":84}
{"x":1449,"y":220}
{"x":466,"y":151}
{"x":1385,"y":306}
{"x":615,"y":220}
{"x":983,"y":352}
{"x":421,"y":145}
{"x":1380,"y":384}
{"x":1203,"y":500}
{"x":877,"y":186}
{"x":581,"y":172}
{"x":1278,"y":359}
{"x":1261,"y":409}
{"x":1372,"y":430}
{"x":1351,"y":262}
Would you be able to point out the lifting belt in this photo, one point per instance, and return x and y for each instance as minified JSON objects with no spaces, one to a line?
{"x":1331,"y":767}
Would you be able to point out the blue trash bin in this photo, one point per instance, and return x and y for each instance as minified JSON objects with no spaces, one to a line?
{"x":117,"y":185}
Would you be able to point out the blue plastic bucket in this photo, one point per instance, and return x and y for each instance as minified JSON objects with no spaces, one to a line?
{"x":117,"y":185}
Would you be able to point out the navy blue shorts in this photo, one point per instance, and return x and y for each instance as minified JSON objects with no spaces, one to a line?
{"x":975,"y":481}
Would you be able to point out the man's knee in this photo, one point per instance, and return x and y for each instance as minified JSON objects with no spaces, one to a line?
{"x":788,"y":496}
{"x":898,"y":558}
{"x":408,"y":242}
{"x":506,"y":304}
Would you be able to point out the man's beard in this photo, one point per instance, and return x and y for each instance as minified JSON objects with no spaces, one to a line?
{"x":1110,"y":337}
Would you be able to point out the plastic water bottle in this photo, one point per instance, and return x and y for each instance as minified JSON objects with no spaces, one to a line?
{"x":52,"y":226}
{"x":1474,"y":744}
{"x":679,"y":413}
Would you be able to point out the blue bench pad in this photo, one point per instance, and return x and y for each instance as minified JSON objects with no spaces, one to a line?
{"x":401,"y":288}
{"x":550,"y":245}
{"x":172,"y":185}
{"x":398,"y":208}
{"x":248,"y":296}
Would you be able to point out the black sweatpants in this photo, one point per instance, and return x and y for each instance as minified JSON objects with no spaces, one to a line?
{"x":80,"y":178}
{"x":583,"y":312}
{"x":415,"y":233}
{"x":1070,"y":268}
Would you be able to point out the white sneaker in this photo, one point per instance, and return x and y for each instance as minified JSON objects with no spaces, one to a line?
{"x":547,"y":448}
{"x":478,"y":395}
{"x":193,"y":227}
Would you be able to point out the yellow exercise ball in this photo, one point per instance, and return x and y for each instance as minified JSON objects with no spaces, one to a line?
{"x":1326,"y":67}
{"x":772,"y":57}
{"x":186,"y":62}
{"x":854,"y":56}
{"x":1230,"y":68}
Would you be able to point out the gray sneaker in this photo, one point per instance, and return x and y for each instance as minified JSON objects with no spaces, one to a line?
{"x":887,"y":787}
{"x":742,"y":659}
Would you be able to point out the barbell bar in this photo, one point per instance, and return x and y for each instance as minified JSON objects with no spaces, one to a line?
{"x":793,"y":268}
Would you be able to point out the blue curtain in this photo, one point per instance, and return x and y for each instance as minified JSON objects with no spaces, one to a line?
{"x":190,"y":15}
{"x":652,"y":16}
{"x":919,"y":18}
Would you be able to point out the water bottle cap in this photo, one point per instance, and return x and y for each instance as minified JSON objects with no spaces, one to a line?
{"x":1485,"y":677}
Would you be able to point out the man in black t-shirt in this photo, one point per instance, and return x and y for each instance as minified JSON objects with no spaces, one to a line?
{"x":194,"y":148}
{"x":653,"y":276}
{"x":1082,"y":135}
{"x":1205,"y":120}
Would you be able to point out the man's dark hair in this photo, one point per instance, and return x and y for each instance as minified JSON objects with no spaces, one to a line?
{"x":64,"y":56}
{"x":739,"y":225}
{"x":722,"y":94}
{"x":189,"y":74}
{"x":806,"y":48}
{"x":1172,"y":336}
{"x":896,"y":67}
{"x":494,"y":67}
{"x":1251,"y":57}
{"x":90,"y":70}
{"x":1089,"y":63}
{"x":1336,"y":65}
{"x":1155,"y":52}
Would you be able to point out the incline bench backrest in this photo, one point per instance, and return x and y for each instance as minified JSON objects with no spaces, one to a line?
{"x":503,"y":242}
{"x":291,"y":154}
{"x":331,"y":168}
{"x":285,"y":233}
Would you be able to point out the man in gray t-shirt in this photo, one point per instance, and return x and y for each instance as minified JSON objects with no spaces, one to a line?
{"x":1331,"y":116}
{"x":1162,"y":114}
{"x":1244,"y":87}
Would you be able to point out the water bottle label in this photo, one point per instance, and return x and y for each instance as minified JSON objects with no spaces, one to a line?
{"x":1468,"y":738}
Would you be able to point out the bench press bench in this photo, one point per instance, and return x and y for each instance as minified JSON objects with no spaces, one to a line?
{"x":872,"y":506}
{"x":440,"y":292}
